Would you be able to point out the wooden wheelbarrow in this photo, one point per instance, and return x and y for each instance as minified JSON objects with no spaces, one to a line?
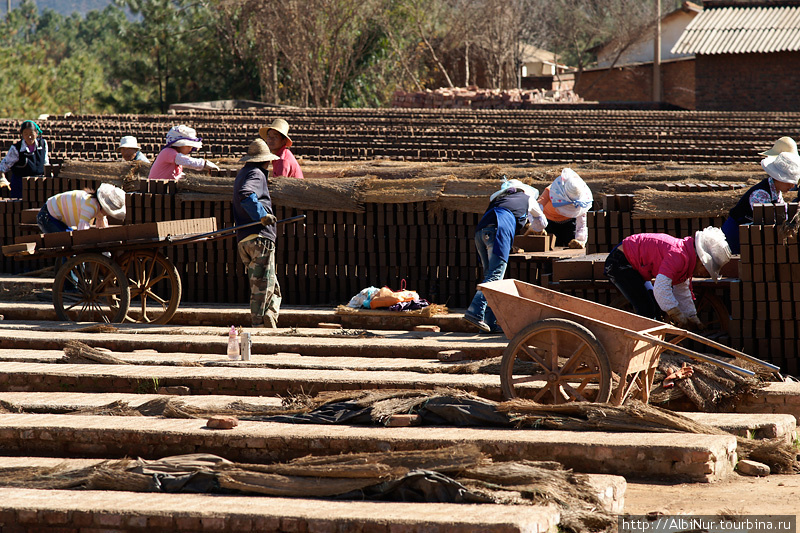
{"x":565,"y":349}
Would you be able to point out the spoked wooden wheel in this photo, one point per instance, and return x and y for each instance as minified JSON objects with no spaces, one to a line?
{"x":154,"y":284}
{"x":91,"y":288}
{"x":562,"y":357}
{"x":713,"y":312}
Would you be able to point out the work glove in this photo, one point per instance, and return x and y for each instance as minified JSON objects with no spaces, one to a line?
{"x":574,"y":244}
{"x":212,"y":166}
{"x":4,"y":183}
{"x":677,"y":317}
{"x":696,"y":323}
{"x":268,"y":220}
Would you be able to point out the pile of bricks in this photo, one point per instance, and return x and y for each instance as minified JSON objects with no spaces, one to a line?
{"x":615,"y":221}
{"x":765,"y":304}
{"x":476,"y":98}
{"x":703,"y":187}
{"x":549,"y":135}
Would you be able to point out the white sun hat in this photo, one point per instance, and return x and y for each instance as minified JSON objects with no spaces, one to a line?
{"x":183,"y":136}
{"x":129,"y":141}
{"x":784,"y":144}
{"x":783,"y":167}
{"x":112,"y":200}
{"x":570,"y":195}
{"x":712,"y":250}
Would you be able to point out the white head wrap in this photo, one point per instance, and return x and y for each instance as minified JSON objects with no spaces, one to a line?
{"x":508,"y":186}
{"x":570,"y":195}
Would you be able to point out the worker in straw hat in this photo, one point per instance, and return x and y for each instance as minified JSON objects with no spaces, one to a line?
{"x":654,"y":271}
{"x":277,"y":137}
{"x":511,"y":209}
{"x":565,"y":203}
{"x":130,"y":150}
{"x":251,"y":203}
{"x":783,"y":172}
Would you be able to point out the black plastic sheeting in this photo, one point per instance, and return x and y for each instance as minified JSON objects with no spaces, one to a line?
{"x":418,"y":486}
{"x":436,"y":411}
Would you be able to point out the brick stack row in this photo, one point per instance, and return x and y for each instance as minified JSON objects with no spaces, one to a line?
{"x":615,"y":221}
{"x":765,"y":304}
{"x":323,"y":260}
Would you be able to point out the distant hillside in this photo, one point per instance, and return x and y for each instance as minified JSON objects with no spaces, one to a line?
{"x":65,"y":7}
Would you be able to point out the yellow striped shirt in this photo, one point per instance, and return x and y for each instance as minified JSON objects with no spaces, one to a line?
{"x":74,"y":208}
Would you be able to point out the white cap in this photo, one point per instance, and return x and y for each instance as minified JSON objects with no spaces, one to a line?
{"x":712,"y":250}
{"x":129,"y":141}
{"x":783,"y":167}
{"x":183,"y":136}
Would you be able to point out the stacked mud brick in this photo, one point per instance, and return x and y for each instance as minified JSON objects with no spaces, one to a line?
{"x":607,"y":227}
{"x":765,"y":304}
{"x":554,"y":136}
{"x":703,"y":187}
{"x":323,"y":260}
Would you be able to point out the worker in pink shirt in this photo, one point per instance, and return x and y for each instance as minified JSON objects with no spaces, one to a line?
{"x":181,"y":141}
{"x":277,"y":138}
{"x":671,"y":262}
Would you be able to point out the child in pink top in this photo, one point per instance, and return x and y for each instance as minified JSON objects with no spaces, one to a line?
{"x":181,"y":141}
{"x":672,"y":262}
{"x":277,"y":138}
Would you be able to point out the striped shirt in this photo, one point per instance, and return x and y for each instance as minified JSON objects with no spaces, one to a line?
{"x":74,"y":208}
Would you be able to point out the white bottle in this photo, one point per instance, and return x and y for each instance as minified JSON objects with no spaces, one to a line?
{"x":233,"y":344}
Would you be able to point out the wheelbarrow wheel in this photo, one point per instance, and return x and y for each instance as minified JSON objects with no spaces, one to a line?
{"x":561,"y":356}
{"x":154,"y":284}
{"x":90,"y":288}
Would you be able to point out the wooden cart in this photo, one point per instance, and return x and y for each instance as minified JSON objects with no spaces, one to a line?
{"x":125,"y":281}
{"x":566,"y":349}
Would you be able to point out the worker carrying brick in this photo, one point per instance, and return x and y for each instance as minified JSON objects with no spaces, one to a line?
{"x":181,"y":141}
{"x":26,"y":157}
{"x":783,"y":171}
{"x":672,"y":262}
{"x":510,"y":211}
{"x":277,"y":138}
{"x":251,"y":203}
{"x":565,"y":204}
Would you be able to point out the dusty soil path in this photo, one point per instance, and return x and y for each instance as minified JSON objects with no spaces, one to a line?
{"x":741,"y":495}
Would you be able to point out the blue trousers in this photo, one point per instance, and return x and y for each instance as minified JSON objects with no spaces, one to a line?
{"x":494,"y":268}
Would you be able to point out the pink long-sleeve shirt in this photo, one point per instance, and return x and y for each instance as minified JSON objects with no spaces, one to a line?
{"x":652,"y":254}
{"x":169,"y":165}
{"x":287,"y":165}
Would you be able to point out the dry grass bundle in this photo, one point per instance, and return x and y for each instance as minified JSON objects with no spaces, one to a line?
{"x":174,"y":408}
{"x":116,"y":408}
{"x":123,"y":174}
{"x":652,"y":203}
{"x":429,"y":311}
{"x":291,"y":486}
{"x":637,"y":416}
{"x":544,"y":483}
{"x":377,"y":190}
{"x":342,"y":194}
{"x":98,"y":328}
{"x":60,"y":476}
{"x":76,"y":352}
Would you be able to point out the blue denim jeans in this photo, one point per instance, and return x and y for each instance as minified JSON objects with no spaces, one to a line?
{"x":494,"y":268}
{"x":49,"y":224}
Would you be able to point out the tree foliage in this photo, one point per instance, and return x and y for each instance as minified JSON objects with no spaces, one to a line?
{"x":143,"y":55}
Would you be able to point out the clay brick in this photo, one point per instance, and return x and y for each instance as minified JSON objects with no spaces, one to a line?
{"x":187,"y":523}
{"x":108,"y":519}
{"x":294,"y":525}
{"x":215,"y":523}
{"x":136,"y":521}
{"x":26,"y":516}
{"x":240,"y":523}
{"x":54,"y":517}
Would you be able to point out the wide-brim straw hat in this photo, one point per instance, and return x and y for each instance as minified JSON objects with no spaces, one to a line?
{"x":128,"y":141}
{"x":258,"y":152}
{"x":712,"y":250}
{"x":279,"y":125}
{"x":784,"y":144}
{"x":783,"y":167}
{"x":182,"y":135}
{"x":112,"y":200}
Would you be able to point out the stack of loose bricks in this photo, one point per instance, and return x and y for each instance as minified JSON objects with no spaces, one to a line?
{"x":765,"y":304}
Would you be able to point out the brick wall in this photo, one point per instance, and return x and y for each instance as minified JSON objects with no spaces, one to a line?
{"x":748,"y":82}
{"x":635,"y":84}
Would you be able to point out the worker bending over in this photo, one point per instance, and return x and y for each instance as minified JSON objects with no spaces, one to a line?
{"x":672,"y":262}
{"x":565,"y":204}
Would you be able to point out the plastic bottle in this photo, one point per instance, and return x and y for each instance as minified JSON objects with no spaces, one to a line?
{"x":233,"y":344}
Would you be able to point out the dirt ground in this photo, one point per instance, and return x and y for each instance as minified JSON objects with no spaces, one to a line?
{"x":741,"y":495}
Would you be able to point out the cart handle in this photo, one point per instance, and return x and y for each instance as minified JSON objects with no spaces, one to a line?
{"x":726,"y":349}
{"x":232,"y":229}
